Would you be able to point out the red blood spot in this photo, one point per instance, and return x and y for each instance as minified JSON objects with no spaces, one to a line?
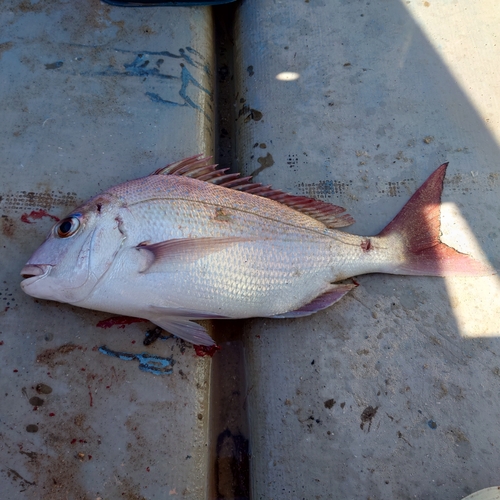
{"x":147,"y":468}
{"x":354,"y":282}
{"x":203,"y":350}
{"x":6,"y":309}
{"x":366,"y":245}
{"x":73,"y":441}
{"x":90,"y":395}
{"x":37,"y":214}
{"x":120,"y":321}
{"x":35,"y":408}
{"x":15,"y":371}
{"x":258,"y":336}
{"x":82,"y":441}
{"x":83,"y":369}
{"x":1,"y":342}
{"x":133,"y":341}
{"x":49,"y":375}
{"x":51,"y":414}
{"x":108,"y":386}
{"x":95,"y":348}
{"x":90,"y":457}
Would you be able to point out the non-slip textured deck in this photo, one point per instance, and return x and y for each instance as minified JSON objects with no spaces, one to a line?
{"x":92,"y":95}
{"x":392,"y":392}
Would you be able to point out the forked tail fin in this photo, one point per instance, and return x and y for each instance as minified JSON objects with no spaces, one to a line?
{"x":418,"y":228}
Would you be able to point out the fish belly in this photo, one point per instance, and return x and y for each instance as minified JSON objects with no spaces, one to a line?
{"x":256,"y":278}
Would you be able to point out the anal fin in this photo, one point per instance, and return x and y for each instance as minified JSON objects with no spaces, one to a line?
{"x":333,"y":294}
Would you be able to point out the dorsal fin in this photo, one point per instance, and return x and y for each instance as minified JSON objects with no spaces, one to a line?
{"x":199,"y":167}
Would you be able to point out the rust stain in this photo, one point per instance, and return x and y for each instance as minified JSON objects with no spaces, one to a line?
{"x":48,"y":356}
{"x":4,"y":47}
{"x":7,"y":226}
{"x":265,"y":162}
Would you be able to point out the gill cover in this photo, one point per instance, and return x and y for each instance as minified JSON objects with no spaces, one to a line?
{"x":78,"y":251}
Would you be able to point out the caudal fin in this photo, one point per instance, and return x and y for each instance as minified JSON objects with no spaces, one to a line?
{"x":418,"y":227}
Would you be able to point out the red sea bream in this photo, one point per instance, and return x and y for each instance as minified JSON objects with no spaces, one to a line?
{"x":191,"y":242}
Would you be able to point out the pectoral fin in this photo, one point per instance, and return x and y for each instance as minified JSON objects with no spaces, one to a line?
{"x":167,"y":255}
{"x":333,"y":294}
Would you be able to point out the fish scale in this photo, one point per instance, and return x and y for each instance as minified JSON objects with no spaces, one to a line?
{"x":191,"y":242}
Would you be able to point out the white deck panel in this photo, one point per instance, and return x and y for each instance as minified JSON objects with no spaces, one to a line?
{"x":92,"y":95}
{"x":393,"y":392}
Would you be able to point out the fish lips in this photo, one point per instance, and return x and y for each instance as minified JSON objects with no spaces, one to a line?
{"x":32,"y":273}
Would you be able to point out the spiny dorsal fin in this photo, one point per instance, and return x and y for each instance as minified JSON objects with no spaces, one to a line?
{"x":198,"y":167}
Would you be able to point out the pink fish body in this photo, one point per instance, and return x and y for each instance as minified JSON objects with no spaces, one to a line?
{"x":190,"y":242}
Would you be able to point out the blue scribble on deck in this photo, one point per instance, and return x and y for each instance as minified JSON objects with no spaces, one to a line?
{"x":157,"y":365}
{"x":151,"y":67}
{"x":186,"y":78}
{"x":139,"y":67}
{"x":182,"y":55}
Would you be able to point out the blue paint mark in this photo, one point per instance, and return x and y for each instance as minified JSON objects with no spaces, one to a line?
{"x":194,"y":63}
{"x":148,"y":64}
{"x":164,"y":53}
{"x":182,"y":55}
{"x":150,"y":363}
{"x":138,"y":68}
{"x":432,"y":424}
{"x":186,"y":78}
{"x":193,"y":51}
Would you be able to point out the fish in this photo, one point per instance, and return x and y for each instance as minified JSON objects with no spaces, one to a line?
{"x":193,"y":242}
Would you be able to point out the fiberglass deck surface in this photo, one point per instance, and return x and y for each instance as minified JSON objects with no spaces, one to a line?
{"x":390,"y":394}
{"x":92,"y":96}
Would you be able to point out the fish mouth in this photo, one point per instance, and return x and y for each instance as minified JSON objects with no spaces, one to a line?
{"x":32,"y":272}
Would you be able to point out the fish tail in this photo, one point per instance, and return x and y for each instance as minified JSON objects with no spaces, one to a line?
{"x":417,"y":229}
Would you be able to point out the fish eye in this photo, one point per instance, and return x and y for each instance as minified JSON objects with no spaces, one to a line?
{"x":67,"y":227}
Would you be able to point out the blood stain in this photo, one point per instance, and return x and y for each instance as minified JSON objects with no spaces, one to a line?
{"x":120,"y":321}
{"x":203,"y":350}
{"x":366,"y":245}
{"x":37,"y":214}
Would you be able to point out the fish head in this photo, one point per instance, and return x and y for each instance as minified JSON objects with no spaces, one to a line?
{"x":77,"y":252}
